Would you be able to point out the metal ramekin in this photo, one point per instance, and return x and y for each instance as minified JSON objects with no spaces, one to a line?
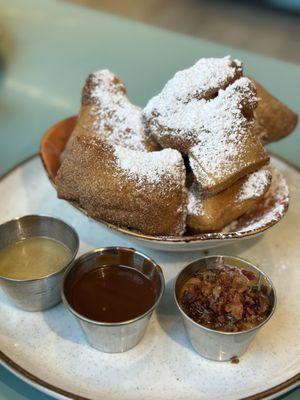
{"x":209,"y":343}
{"x":120,"y":336}
{"x":45,"y":292}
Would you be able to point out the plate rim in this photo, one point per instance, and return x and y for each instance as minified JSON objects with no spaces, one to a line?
{"x":50,"y":389}
{"x":40,"y":384}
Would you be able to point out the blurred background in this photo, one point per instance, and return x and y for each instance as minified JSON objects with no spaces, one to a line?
{"x":270,"y":27}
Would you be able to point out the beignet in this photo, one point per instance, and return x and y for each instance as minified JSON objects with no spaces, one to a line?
{"x":107,"y":112}
{"x":140,"y":190}
{"x":273,"y":119}
{"x":212,"y":213}
{"x":206,"y":112}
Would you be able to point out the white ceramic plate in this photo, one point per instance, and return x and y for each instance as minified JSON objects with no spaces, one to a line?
{"x":48,"y":350}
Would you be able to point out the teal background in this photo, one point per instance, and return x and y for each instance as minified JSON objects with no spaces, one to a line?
{"x":48,"y":47}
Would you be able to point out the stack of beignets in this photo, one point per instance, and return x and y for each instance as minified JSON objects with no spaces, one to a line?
{"x":125,"y":165}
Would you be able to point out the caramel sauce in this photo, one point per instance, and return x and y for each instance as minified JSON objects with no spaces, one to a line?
{"x":112,"y":293}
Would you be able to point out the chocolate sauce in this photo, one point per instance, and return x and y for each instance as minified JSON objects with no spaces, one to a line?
{"x":112,"y":293}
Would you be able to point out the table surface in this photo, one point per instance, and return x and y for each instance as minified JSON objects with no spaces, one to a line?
{"x":48,"y":48}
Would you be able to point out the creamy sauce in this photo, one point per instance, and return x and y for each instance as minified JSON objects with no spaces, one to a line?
{"x":33,"y":258}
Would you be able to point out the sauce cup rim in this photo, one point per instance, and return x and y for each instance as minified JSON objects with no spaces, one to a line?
{"x":102,"y":323}
{"x":221,"y":332}
{"x":74,"y":253}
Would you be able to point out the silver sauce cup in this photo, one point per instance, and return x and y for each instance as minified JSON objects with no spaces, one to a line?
{"x":209,"y":343}
{"x":114,"y":337}
{"x":45,"y":292}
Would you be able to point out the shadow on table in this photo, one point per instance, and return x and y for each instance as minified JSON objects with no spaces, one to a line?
{"x":169,"y":318}
{"x":63,"y":324}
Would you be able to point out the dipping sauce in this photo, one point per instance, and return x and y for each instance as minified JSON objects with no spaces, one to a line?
{"x":33,"y":258}
{"x":112,"y":293}
{"x":226,"y":299}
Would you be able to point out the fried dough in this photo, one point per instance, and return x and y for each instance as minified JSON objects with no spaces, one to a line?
{"x":273,"y":119}
{"x":107,"y":112}
{"x":212,"y":213}
{"x":206,"y":112}
{"x":130,"y":188}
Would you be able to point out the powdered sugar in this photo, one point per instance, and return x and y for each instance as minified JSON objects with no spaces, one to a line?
{"x":204,"y":78}
{"x":152,"y":166}
{"x":182,"y":104}
{"x":194,"y":206}
{"x":222,"y":127}
{"x":255,"y":185}
{"x":276,"y":201}
{"x":270,"y":210}
{"x":115,"y":117}
{"x":205,"y":111}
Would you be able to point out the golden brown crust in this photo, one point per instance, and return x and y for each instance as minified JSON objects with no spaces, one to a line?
{"x":273,"y":119}
{"x":212,"y":213}
{"x":91,"y":176}
{"x":254,"y":158}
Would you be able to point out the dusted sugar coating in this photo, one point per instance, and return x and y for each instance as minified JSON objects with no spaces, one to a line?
{"x":148,"y":168}
{"x":206,"y":112}
{"x":269,"y":210}
{"x":107,"y":112}
{"x":212,"y":213}
{"x":255,"y":185}
{"x":227,"y":149}
{"x":273,"y":119}
{"x":144,"y":191}
{"x":172,"y":117}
